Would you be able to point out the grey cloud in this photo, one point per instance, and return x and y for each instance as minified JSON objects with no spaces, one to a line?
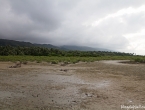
{"x":62,"y":22}
{"x":45,"y":13}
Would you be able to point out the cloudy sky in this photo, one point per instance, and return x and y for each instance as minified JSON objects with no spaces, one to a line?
{"x":113,"y":24}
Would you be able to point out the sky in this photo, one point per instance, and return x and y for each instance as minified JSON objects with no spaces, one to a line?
{"x":118,"y":25}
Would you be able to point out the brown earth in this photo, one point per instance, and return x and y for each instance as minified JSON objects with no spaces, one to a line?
{"x":103,"y":85}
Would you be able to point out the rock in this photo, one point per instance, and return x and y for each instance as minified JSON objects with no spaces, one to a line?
{"x":89,"y":95}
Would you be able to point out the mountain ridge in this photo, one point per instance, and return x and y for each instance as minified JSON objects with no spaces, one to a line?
{"x":83,"y":48}
{"x":5,"y":42}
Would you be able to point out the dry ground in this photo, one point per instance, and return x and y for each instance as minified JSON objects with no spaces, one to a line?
{"x":103,"y":85}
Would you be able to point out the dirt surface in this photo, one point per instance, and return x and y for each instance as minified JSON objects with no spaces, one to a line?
{"x":103,"y":85}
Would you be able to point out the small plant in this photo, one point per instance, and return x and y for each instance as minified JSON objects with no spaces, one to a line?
{"x":65,"y":62}
{"x":75,"y":61}
{"x":38,"y":61}
{"x":54,"y":62}
{"x":139,"y":60}
{"x":25,"y":62}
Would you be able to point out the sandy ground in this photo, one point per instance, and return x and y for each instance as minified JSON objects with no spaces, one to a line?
{"x":103,"y":85}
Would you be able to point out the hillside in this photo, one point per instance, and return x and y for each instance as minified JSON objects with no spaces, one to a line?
{"x":5,"y":42}
{"x":83,"y":48}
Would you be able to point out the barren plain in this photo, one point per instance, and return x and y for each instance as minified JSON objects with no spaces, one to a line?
{"x":100,"y":85}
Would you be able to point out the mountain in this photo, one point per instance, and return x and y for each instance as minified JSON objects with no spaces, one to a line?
{"x":82,"y":48}
{"x":5,"y":42}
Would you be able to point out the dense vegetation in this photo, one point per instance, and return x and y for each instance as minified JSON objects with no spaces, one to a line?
{"x":40,"y":51}
{"x":9,"y":53}
{"x":56,"y":59}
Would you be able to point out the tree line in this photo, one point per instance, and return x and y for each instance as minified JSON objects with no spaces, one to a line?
{"x":41,"y":51}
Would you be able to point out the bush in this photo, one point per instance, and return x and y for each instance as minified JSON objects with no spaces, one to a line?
{"x":139,"y":60}
{"x":38,"y":62}
{"x":54,"y":62}
{"x":25,"y":62}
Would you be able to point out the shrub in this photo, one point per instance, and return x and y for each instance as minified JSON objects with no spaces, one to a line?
{"x":54,"y":62}
{"x":139,"y":60}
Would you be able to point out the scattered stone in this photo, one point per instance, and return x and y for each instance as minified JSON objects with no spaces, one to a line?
{"x":65,"y":70}
{"x":17,"y":65}
{"x":74,"y":101}
{"x":63,"y":65}
{"x":38,"y":95}
{"x":89,"y":95}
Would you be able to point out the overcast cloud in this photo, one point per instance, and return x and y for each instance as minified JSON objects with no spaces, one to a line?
{"x":113,"y":24}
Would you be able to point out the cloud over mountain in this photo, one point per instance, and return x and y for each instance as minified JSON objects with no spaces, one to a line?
{"x":113,"y":24}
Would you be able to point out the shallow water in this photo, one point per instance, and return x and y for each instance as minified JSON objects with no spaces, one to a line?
{"x":115,"y":62}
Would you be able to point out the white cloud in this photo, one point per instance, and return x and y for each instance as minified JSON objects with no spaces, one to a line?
{"x":137,"y":41}
{"x":120,"y":13}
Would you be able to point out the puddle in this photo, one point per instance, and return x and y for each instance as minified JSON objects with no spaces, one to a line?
{"x":101,"y":84}
{"x":7,"y":94}
{"x":115,"y":62}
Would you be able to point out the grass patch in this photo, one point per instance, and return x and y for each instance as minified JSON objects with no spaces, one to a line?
{"x":57,"y":59}
{"x":140,"y":60}
{"x":54,"y":62}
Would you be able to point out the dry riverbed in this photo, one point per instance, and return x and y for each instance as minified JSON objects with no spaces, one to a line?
{"x":103,"y":85}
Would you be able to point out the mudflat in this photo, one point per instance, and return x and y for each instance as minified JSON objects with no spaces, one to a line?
{"x":101,"y":85}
